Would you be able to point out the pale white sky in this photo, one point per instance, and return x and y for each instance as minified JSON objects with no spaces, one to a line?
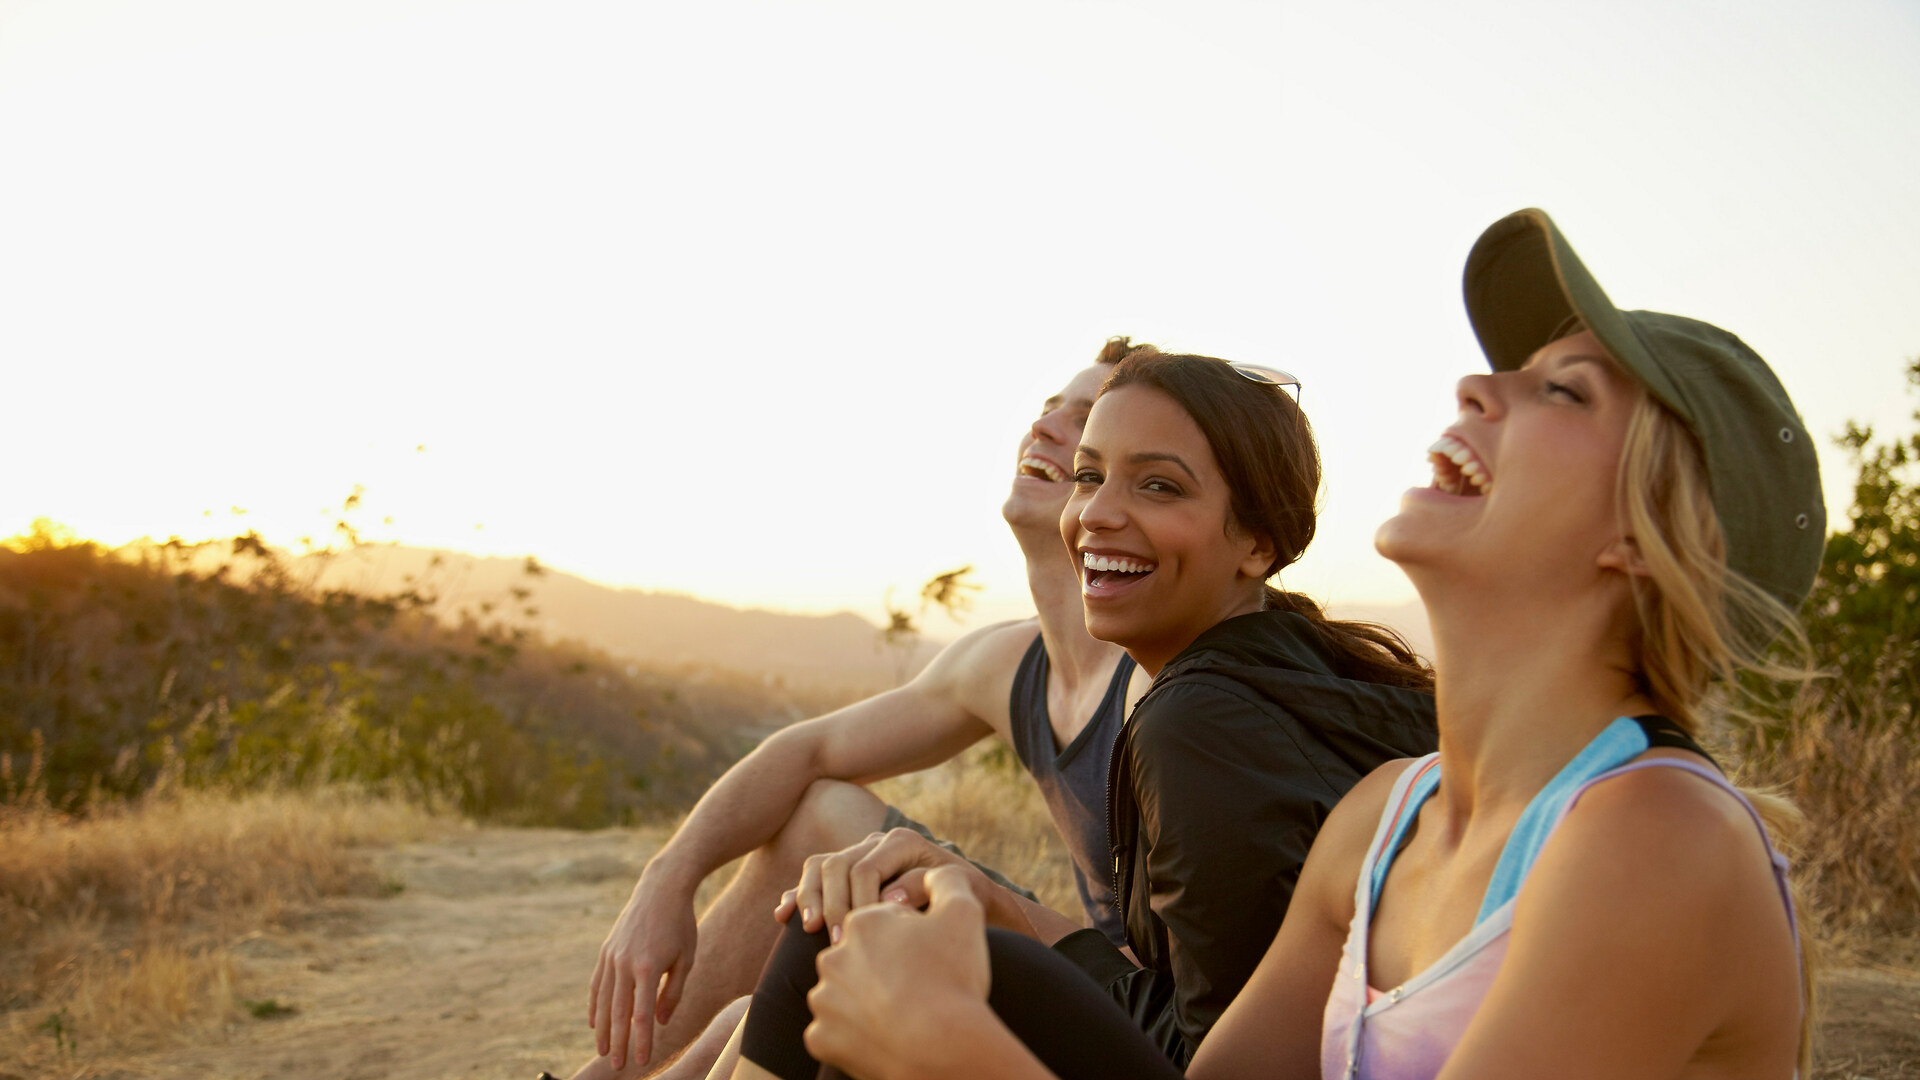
{"x":752,"y":299}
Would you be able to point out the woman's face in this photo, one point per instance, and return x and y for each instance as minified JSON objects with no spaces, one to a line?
{"x":1149,"y":522}
{"x":1523,"y":482}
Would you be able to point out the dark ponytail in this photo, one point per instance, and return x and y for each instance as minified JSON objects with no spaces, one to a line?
{"x":1266,"y":452}
{"x":1368,"y":652}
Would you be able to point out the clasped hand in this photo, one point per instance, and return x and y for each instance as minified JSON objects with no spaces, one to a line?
{"x":898,"y":992}
{"x":891,"y":866}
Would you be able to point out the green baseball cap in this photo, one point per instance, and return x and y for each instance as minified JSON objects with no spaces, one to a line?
{"x":1524,"y":283}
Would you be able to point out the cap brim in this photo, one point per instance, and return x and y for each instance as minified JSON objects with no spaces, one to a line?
{"x":1523,"y":282}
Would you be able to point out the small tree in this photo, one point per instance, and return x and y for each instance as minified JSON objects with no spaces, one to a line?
{"x":951,"y":592}
{"x":1863,"y":618}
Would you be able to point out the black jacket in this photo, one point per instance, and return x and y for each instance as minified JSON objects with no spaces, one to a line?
{"x":1219,"y":782}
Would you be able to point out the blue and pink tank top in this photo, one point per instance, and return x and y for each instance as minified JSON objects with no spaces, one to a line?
{"x":1408,"y":1032}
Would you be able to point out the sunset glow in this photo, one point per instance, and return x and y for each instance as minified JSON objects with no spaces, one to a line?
{"x":753,"y":300}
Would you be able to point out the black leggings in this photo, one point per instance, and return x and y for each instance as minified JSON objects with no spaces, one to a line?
{"x":1062,"y":1016}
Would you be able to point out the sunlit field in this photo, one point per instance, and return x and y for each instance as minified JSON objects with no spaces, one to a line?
{"x":120,"y":924}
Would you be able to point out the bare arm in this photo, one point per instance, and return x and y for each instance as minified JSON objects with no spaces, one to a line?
{"x":960,"y":697}
{"x":1649,"y":940}
{"x":1046,"y":924}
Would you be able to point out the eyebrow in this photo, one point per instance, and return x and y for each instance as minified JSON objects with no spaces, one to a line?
{"x":1143,"y":457}
{"x":1058,"y":400}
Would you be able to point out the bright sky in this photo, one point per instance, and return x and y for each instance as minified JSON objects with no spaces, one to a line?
{"x":753,"y":299}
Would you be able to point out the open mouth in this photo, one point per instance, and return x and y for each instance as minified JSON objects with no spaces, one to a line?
{"x":1040,"y":469}
{"x":1456,"y":470}
{"x":1110,"y":571}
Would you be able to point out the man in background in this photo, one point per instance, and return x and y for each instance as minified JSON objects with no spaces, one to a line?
{"x":1038,"y":683}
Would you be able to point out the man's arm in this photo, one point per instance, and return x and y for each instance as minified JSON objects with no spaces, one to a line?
{"x":942,"y":711}
{"x":959,"y":697}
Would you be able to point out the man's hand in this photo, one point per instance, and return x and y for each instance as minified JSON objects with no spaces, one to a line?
{"x":896,"y":994}
{"x":652,"y":940}
{"x":888,"y":866}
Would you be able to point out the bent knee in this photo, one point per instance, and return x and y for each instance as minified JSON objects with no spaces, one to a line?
{"x":833,"y":814}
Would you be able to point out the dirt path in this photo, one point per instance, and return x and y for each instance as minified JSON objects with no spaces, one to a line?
{"x":477,"y":968}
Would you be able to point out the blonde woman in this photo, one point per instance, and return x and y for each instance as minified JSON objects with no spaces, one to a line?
{"x":1625,"y":511}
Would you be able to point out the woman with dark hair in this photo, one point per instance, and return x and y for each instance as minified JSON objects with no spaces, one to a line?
{"x":1625,"y":511}
{"x":1195,"y":483}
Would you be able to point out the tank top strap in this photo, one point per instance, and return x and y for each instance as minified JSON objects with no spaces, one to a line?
{"x":1617,"y":744}
{"x":1027,"y":706}
{"x":1416,"y":784}
{"x":1620,"y":742}
{"x":1667,"y":735}
{"x":1117,"y":686}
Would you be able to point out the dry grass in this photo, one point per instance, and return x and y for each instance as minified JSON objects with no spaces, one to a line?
{"x":117,"y":929}
{"x":983,"y":802}
{"x":117,"y":926}
{"x":1857,"y":781}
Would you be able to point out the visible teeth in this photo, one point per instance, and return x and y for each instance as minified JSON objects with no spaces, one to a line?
{"x":1467,"y":469}
{"x":1044,"y":467}
{"x":1112,"y":563}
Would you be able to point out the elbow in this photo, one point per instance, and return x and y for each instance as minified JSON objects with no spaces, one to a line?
{"x":799,"y":749}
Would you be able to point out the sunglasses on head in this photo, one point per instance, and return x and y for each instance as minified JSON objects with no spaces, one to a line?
{"x":1267,"y":376}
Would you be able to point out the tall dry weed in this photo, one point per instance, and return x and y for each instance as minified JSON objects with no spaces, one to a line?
{"x":115,"y":927}
{"x":1851,"y":765}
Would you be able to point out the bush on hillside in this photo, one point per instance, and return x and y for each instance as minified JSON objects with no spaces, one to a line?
{"x":117,"y":669}
{"x":1864,"y":615}
{"x":1846,"y":748}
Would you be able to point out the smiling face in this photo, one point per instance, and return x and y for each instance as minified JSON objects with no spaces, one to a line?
{"x":1043,"y":468}
{"x":1161,"y":559}
{"x":1523,"y":491}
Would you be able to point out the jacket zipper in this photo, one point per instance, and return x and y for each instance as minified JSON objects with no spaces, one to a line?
{"x":1115,"y":760}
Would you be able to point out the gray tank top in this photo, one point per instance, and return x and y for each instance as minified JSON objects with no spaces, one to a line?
{"x":1074,"y":780}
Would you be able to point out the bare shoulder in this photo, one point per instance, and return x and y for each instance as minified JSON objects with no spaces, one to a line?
{"x":976,"y":670}
{"x":990,"y":650}
{"x":1658,"y":821}
{"x":1351,"y":825}
{"x":1340,"y":849}
{"x":1654,"y":909}
{"x":1678,"y":856}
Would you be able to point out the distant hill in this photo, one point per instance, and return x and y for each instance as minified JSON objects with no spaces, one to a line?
{"x":818,"y":659}
{"x":832,"y":655}
{"x":838,"y":655}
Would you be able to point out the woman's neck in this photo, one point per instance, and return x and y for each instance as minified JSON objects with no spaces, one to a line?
{"x":1523,"y":686}
{"x":1154,"y":656}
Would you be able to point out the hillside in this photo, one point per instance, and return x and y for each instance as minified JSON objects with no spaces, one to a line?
{"x":229,"y":666}
{"x":838,"y":654}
